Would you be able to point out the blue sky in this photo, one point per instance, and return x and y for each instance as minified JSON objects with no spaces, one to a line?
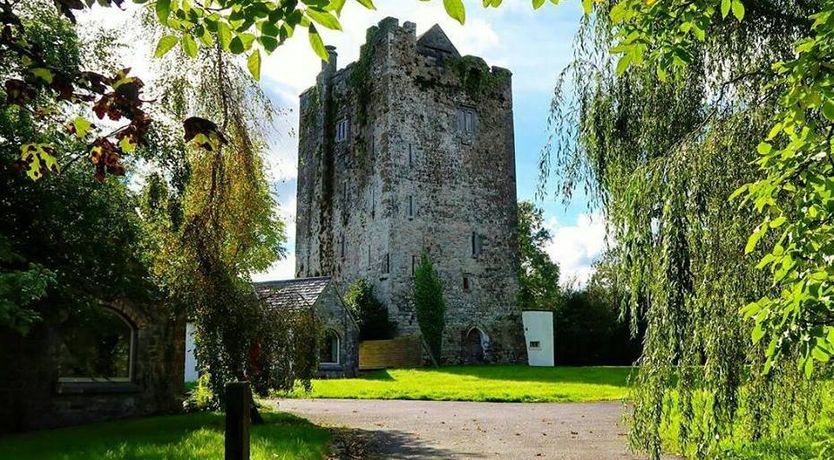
{"x":534,"y":45}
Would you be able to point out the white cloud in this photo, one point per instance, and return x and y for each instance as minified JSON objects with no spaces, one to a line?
{"x":281,"y":270}
{"x":575,"y":247}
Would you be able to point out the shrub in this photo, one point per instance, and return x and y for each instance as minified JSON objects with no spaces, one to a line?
{"x":590,"y":332}
{"x":369,"y":312}
{"x":429,"y":305}
{"x":200,"y":397}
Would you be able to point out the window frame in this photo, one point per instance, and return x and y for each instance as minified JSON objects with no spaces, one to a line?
{"x":131,"y":355}
{"x":335,"y":335}
{"x":342,"y":129}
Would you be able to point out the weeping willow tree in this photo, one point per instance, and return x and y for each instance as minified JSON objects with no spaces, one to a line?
{"x":220,"y":223}
{"x":661,"y":156}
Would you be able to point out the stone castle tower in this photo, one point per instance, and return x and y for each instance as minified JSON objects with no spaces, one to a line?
{"x":411,"y":149}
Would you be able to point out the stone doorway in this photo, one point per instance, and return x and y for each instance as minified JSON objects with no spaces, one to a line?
{"x":475,"y":344}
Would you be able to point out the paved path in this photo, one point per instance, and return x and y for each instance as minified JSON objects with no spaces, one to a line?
{"x":441,"y":429}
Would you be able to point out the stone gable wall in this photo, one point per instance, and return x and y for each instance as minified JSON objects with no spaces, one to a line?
{"x":404,"y":146}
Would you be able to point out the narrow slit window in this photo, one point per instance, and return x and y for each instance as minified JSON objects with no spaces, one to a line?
{"x":477,"y":244}
{"x":413,"y":265}
{"x":410,"y":206}
{"x":386,"y":264}
{"x":466,"y":285}
{"x":342,"y":128}
{"x":411,"y":155}
{"x":342,"y":247}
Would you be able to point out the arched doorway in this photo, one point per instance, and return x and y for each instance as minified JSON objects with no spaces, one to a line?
{"x":475,"y":345}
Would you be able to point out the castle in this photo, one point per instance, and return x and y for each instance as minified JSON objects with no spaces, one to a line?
{"x":411,"y":149}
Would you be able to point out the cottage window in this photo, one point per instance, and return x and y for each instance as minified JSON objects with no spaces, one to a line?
{"x":329,"y":351}
{"x":96,"y":347}
{"x":342,"y":128}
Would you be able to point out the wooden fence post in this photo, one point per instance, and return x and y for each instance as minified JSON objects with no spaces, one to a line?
{"x":237,"y":420}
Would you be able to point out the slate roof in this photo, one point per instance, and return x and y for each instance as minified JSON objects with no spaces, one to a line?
{"x":293,"y":294}
{"x":435,"y":39}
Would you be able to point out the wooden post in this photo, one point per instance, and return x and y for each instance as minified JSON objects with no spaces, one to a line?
{"x":237,"y":420}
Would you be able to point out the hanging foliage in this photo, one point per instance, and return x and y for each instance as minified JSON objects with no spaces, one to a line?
{"x":660,"y":148}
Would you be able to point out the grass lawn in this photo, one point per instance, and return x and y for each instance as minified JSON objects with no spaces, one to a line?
{"x":189,"y":436}
{"x":481,"y":383}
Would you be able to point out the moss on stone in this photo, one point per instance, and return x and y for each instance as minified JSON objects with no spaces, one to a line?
{"x":476,"y":76}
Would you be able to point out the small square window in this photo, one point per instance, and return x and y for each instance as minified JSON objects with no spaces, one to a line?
{"x":535,"y":345}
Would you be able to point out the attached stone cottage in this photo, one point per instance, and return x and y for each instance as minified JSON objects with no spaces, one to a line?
{"x":338,"y":352}
{"x":113,"y":361}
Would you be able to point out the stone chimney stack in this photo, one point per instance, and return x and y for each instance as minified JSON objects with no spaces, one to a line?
{"x":330,"y":66}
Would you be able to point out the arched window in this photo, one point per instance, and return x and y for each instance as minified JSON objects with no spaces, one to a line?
{"x":96,"y":346}
{"x":329,"y":351}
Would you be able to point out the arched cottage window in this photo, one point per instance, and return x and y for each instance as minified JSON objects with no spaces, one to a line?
{"x":330,"y":348}
{"x":96,"y":346}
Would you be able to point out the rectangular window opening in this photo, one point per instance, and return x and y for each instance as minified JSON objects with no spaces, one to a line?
{"x":466,"y":285}
{"x":342,"y":128}
{"x":535,"y":344}
{"x":410,"y":206}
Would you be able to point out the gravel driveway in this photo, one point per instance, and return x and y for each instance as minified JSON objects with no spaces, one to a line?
{"x":441,"y":429}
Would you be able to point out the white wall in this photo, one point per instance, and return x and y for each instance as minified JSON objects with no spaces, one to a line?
{"x":538,"y":327}
{"x":190,"y":354}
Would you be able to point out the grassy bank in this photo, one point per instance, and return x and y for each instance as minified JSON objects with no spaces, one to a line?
{"x":481,"y":383}
{"x":190,"y":436}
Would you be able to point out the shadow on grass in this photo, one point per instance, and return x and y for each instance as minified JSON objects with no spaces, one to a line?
{"x":189,"y":436}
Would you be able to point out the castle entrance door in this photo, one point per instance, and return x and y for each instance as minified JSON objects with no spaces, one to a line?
{"x":473,"y":347}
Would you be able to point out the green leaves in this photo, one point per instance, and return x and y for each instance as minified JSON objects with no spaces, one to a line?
{"x":189,"y":46}
{"x":38,"y":159}
{"x":163,"y":10}
{"x":324,"y":18}
{"x":165,"y":44}
{"x":224,"y":34}
{"x":736,"y":6}
{"x":738,"y":9}
{"x":81,"y":126}
{"x":254,"y":64}
{"x":455,"y":9}
{"x":317,"y":44}
{"x":538,"y":4}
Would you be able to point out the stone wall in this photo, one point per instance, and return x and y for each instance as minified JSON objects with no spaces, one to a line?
{"x":31,"y":396}
{"x":333,"y":315}
{"x":408,"y":178}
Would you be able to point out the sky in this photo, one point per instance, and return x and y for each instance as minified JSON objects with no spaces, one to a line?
{"x":534,"y":45}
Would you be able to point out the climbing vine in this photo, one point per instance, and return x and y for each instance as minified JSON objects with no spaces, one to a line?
{"x":476,"y":77}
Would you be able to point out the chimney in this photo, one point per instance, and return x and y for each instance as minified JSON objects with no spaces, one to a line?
{"x":331,"y":60}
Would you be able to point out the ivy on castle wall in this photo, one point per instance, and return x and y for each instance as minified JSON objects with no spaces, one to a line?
{"x":476,"y":77}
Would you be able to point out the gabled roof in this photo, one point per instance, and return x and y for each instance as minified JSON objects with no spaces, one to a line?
{"x":436,"y":40}
{"x":293,"y":294}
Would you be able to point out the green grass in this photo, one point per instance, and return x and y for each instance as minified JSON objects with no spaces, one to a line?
{"x":481,"y":383}
{"x":190,"y":436}
{"x":797,"y":440}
